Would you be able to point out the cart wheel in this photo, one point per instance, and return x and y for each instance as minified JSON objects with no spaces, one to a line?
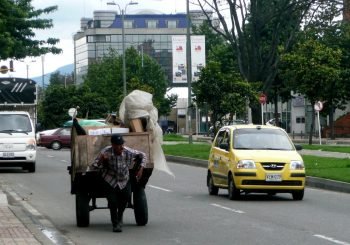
{"x":82,"y":209}
{"x":140,"y":206}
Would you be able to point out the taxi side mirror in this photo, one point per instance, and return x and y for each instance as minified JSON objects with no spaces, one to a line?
{"x":298,"y":147}
{"x":224,"y":146}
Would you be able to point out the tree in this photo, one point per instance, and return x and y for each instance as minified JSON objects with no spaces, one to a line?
{"x":18,"y":21}
{"x":314,"y":70}
{"x":104,"y":77}
{"x":221,"y":92}
{"x":53,"y":110}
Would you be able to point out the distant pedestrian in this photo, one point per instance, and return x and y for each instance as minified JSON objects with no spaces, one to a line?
{"x":114,"y":162}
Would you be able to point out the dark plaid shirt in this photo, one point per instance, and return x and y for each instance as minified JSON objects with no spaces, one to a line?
{"x":116,"y":170}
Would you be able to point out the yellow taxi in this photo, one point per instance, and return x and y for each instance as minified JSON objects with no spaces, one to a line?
{"x":255,"y":159}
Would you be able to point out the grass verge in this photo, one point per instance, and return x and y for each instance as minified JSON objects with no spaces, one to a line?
{"x":322,"y":167}
{"x":335,"y":148}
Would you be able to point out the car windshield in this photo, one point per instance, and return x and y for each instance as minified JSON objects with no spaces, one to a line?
{"x":261,"y":138}
{"x":15,"y":123}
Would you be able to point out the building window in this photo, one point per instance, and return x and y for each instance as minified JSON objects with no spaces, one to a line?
{"x":172,"y":23}
{"x":300,"y":119}
{"x":128,"y":24}
{"x":152,"y":24}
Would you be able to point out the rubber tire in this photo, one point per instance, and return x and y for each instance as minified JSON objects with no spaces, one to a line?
{"x":31,"y":167}
{"x":233,"y":192}
{"x":298,"y":195}
{"x":140,"y":206}
{"x":212,"y":189}
{"x":55,"y":145}
{"x":82,"y":209}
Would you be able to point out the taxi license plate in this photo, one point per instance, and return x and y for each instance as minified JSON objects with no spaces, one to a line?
{"x":8,"y":154}
{"x":273,"y":177}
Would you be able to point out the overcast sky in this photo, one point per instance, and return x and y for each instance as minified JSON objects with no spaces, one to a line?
{"x":66,"y":22}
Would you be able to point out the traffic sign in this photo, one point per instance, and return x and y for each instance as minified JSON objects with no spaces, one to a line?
{"x":318,"y":106}
{"x":262,"y":99}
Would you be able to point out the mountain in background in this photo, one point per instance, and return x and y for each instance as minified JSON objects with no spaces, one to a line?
{"x":67,"y":69}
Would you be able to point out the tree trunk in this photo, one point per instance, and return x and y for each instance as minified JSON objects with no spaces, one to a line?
{"x":312,"y":126}
{"x":275,"y":98}
{"x":331,"y":121}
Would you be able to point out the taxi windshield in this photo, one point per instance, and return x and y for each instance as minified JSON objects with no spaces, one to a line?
{"x":261,"y":139}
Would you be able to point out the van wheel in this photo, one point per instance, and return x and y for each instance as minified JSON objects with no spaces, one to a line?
{"x":298,"y":195}
{"x":31,"y":167}
{"x":233,"y":192}
{"x":140,"y":206}
{"x":82,"y":209}
{"x":212,"y":189}
{"x":56,"y":145}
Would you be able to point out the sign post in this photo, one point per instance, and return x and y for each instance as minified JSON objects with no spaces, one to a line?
{"x":262,"y":101}
{"x":318,"y":107}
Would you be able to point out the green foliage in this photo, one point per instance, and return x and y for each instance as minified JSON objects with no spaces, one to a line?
{"x":105,"y":78}
{"x":199,"y":151}
{"x":223,"y":92}
{"x":327,"y":167}
{"x":53,"y":110}
{"x":18,"y":20}
{"x":313,"y":69}
{"x":173,"y":137}
{"x":331,"y":148}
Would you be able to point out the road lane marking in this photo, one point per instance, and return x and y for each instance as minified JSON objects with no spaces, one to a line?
{"x":64,"y":161}
{"x":50,"y":156}
{"x":159,"y":188}
{"x":227,"y":208}
{"x":331,"y":239}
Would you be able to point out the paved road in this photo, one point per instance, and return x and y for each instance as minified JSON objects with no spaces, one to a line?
{"x":180,"y":211}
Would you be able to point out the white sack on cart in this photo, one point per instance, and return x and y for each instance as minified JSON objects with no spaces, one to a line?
{"x":138,"y":104}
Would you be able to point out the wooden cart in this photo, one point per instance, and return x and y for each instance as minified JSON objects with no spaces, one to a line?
{"x":86,"y":184}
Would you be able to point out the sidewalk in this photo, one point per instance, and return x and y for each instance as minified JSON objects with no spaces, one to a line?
{"x":12,"y":231}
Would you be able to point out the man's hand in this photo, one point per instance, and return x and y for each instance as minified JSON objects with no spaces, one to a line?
{"x":139,"y":174}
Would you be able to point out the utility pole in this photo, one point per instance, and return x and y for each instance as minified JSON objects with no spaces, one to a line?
{"x":189,"y":71}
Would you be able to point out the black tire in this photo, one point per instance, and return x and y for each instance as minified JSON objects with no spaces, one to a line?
{"x":31,"y":167}
{"x":82,"y":209}
{"x":212,"y":189}
{"x":56,"y":145}
{"x":140,"y":206}
{"x":233,"y":192}
{"x":298,"y":195}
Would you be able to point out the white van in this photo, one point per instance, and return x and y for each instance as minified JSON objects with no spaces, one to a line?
{"x":17,"y":140}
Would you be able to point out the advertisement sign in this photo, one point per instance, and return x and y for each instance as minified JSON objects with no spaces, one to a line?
{"x":197,"y":56}
{"x":179,"y":57}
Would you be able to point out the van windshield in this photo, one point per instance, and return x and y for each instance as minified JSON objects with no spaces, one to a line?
{"x":15,"y":123}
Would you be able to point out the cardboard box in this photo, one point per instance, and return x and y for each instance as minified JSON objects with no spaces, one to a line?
{"x":136,"y":125}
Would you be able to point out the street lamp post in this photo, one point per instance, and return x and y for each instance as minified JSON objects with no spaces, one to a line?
{"x":123,"y":11}
{"x":27,"y":66}
{"x":189,"y":71}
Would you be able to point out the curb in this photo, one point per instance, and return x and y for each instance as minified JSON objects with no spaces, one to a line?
{"x":316,"y":182}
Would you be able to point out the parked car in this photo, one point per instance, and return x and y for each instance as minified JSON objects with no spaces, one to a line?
{"x":255,"y":158}
{"x":61,"y":137}
{"x":46,"y":132}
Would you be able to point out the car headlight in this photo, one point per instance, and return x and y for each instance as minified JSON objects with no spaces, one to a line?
{"x":296,"y":165}
{"x":31,"y":145}
{"x":250,"y":164}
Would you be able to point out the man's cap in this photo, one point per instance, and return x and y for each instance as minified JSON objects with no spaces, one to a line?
{"x":117,"y":139}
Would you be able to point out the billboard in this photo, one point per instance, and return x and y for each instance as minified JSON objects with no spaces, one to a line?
{"x":197,"y":56}
{"x":179,"y":57}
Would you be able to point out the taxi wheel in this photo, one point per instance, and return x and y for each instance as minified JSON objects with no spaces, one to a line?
{"x":233,"y":192}
{"x":298,"y":195}
{"x":212,"y":189}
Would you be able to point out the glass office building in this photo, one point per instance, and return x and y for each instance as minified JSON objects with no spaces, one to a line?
{"x":150,"y":33}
